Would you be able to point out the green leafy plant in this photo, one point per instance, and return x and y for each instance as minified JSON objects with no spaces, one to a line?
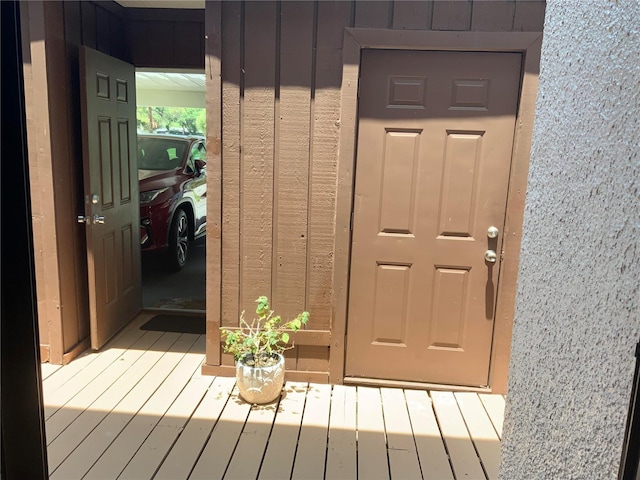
{"x":265,"y":335}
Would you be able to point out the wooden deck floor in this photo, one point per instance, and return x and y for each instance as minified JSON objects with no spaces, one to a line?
{"x":141,"y":409}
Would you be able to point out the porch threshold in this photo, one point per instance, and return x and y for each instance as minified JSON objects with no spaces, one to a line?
{"x":412,"y":385}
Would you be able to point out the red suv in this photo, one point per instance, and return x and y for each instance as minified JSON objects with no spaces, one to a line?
{"x":173,"y":194}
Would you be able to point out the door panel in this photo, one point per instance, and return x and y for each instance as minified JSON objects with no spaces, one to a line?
{"x":435,"y":137}
{"x":111,"y":192}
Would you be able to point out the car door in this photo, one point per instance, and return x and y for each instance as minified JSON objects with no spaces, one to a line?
{"x":198,"y":186}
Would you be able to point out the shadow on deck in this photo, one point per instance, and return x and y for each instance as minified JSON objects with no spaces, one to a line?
{"x":141,"y":409}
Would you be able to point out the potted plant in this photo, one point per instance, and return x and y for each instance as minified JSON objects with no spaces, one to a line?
{"x":257,"y":348}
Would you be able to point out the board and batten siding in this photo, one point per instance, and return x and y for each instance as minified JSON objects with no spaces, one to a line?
{"x":281,"y":96}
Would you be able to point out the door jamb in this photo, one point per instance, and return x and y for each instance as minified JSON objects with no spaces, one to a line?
{"x":355,"y":39}
{"x":213,"y":69}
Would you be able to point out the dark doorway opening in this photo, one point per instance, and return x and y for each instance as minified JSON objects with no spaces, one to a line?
{"x":171,"y":109}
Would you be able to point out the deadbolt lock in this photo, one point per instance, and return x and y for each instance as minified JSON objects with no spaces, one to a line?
{"x":492,"y":232}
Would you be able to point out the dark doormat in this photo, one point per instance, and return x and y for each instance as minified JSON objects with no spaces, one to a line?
{"x":176,"y":323}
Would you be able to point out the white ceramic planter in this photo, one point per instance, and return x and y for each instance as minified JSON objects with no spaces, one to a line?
{"x":260,"y":384}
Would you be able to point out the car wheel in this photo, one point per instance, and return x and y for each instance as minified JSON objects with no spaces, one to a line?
{"x":178,"y":241}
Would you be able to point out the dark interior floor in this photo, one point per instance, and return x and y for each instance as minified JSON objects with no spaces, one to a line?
{"x":183,"y":290}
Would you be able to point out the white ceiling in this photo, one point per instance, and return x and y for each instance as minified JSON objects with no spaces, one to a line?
{"x":161,"y":3}
{"x":193,"y":82}
{"x":170,"y":89}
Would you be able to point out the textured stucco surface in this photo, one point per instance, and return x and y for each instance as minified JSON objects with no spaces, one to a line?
{"x":578,"y":302}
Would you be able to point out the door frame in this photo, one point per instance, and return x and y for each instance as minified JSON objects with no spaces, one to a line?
{"x":355,"y":39}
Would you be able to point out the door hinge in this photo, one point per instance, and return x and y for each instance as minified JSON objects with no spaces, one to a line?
{"x":351,"y":223}
{"x":358,"y":93}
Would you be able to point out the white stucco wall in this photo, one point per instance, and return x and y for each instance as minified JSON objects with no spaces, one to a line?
{"x":578,"y":302}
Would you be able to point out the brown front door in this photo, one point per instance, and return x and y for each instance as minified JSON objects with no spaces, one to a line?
{"x":434,"y":151}
{"x":111,"y":192}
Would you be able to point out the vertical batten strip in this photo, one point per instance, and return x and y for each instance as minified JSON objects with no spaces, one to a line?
{"x":214,"y":179}
{"x":231,"y":131}
{"x":241,"y":127}
{"x":307,"y":356}
{"x":273,"y":295}
{"x":312,"y":113}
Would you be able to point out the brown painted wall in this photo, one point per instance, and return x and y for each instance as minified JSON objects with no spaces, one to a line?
{"x":53,"y":32}
{"x":166,"y":38}
{"x":281,"y":97}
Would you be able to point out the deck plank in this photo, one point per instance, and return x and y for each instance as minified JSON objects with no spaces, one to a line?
{"x":341,"y":450}
{"x":280,"y":454}
{"x":494,"y":405}
{"x":54,"y":382}
{"x":482,"y":432}
{"x":58,"y":397}
{"x":312,"y":444}
{"x":151,"y":453}
{"x":73,"y":434}
{"x":463,"y":456}
{"x":129,"y":362}
{"x":89,"y":450}
{"x":121,"y":342}
{"x":434,"y":460}
{"x":252,"y":444}
{"x":401,"y":446}
{"x":217,"y":453}
{"x":372,"y":444}
{"x":186,"y":450}
{"x":48,"y":369}
{"x":116,"y":457}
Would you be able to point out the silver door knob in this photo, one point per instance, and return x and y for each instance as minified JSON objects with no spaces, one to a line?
{"x":83,"y":219}
{"x":492,"y":232}
{"x":490,"y":256}
{"x":98,"y":219}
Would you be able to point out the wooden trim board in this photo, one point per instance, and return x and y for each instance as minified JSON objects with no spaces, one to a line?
{"x":320,"y":338}
{"x":77,"y":350}
{"x":290,"y":375}
{"x":213,"y":66}
{"x":378,"y":382}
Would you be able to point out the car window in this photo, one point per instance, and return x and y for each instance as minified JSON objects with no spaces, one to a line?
{"x":160,"y":153}
{"x":198,"y":152}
